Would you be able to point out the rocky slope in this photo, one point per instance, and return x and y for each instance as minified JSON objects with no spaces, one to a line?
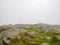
{"x":39,"y":30}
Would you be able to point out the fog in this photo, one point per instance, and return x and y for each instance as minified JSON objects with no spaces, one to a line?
{"x":29,"y":11}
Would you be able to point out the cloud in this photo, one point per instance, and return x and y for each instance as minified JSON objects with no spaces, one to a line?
{"x":29,"y":11}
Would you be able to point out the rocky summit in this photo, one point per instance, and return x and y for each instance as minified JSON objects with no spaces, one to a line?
{"x":30,"y":34}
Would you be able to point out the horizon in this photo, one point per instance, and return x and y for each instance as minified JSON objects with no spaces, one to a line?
{"x":28,"y":24}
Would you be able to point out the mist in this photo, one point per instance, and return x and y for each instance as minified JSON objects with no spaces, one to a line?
{"x":29,"y":11}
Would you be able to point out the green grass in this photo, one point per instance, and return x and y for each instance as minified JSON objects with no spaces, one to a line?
{"x":26,"y":40}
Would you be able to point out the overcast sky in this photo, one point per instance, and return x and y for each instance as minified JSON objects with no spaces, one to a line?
{"x":29,"y":11}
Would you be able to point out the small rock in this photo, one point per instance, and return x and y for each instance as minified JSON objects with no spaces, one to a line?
{"x":45,"y":44}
